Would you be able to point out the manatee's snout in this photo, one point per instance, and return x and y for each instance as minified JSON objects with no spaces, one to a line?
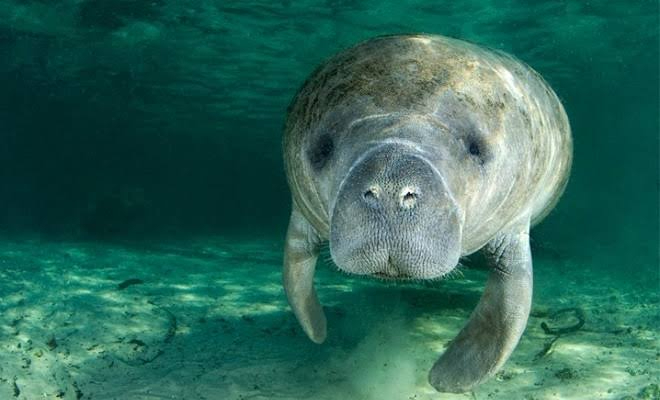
{"x":394,"y":217}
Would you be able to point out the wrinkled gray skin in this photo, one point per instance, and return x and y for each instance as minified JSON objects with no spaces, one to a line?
{"x":409,"y":152}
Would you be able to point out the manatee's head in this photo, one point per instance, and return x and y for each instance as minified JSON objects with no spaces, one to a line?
{"x":394,"y":216}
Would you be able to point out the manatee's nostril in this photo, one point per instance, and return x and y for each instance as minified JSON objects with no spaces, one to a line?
{"x":409,"y":198}
{"x":371,"y":194}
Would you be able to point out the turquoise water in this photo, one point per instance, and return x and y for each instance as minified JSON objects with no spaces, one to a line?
{"x":141,"y":140}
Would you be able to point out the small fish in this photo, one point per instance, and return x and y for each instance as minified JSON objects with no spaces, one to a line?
{"x":129,"y":282}
{"x":578,"y":313}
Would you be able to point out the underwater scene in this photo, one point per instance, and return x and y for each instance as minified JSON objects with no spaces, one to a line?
{"x":329,"y":199}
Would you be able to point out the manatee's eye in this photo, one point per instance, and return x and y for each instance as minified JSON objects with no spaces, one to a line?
{"x":321,"y":151}
{"x":477,"y":149}
{"x":474,"y":149}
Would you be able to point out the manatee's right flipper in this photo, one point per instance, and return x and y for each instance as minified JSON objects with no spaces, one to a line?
{"x":493,"y":331}
{"x":300,"y":253}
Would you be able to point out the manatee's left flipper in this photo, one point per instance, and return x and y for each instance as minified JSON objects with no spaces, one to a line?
{"x":495,"y":326}
{"x":301,"y":251}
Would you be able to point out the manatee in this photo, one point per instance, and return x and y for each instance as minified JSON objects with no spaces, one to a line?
{"x":408,"y":152}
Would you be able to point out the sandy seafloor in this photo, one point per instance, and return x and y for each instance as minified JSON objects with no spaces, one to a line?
{"x":209,"y":320}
